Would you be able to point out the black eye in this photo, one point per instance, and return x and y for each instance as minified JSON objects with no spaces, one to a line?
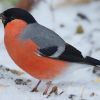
{"x":12,"y":17}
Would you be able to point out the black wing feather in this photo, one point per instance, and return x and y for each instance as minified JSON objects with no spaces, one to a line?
{"x":71,"y":54}
{"x":48,"y":51}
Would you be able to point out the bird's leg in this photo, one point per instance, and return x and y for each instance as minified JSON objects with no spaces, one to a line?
{"x":47,"y":88}
{"x":35,"y":89}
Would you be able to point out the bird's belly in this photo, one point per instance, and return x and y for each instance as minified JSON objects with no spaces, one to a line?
{"x":24,"y":55}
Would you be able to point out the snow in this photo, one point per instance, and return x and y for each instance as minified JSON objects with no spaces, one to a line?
{"x":79,"y":80}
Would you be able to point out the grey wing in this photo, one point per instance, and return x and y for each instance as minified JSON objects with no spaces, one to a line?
{"x":51,"y":44}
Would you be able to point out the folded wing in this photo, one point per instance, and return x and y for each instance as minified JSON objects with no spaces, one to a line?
{"x":50,"y":44}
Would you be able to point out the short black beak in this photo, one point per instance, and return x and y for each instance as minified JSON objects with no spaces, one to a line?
{"x":1,"y":16}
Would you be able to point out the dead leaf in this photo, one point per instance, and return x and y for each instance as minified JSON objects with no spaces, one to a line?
{"x":79,"y":29}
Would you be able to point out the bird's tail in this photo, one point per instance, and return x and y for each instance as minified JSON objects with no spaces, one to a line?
{"x":91,"y":61}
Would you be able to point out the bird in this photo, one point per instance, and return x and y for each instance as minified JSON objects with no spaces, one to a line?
{"x":36,"y":49}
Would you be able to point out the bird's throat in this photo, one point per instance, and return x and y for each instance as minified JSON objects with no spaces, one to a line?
{"x":15,"y":27}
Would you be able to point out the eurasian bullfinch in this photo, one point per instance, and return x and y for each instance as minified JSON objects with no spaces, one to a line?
{"x":36,"y":49}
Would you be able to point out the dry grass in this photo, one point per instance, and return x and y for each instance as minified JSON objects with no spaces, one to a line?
{"x":72,"y":2}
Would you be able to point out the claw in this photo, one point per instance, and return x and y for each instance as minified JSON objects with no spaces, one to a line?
{"x":34,"y":90}
{"x":36,"y":87}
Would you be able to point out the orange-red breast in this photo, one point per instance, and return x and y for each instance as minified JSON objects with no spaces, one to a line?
{"x":36,"y":49}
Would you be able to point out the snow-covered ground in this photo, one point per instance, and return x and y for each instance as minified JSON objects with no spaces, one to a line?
{"x":81,"y":82}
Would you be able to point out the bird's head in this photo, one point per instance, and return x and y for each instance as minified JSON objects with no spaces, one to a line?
{"x":16,"y":13}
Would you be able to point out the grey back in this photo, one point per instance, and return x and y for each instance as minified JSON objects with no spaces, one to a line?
{"x":43,"y":37}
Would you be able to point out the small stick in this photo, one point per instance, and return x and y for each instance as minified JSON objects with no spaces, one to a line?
{"x":54,"y":90}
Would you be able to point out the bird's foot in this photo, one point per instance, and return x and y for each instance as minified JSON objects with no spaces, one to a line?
{"x":34,"y":90}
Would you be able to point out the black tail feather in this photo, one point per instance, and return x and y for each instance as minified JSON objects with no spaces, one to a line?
{"x":71,"y":54}
{"x":91,"y":61}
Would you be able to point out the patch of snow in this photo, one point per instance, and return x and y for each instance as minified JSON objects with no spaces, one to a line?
{"x":79,"y":81}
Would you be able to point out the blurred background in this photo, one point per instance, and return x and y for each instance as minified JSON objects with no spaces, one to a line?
{"x":76,"y":21}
